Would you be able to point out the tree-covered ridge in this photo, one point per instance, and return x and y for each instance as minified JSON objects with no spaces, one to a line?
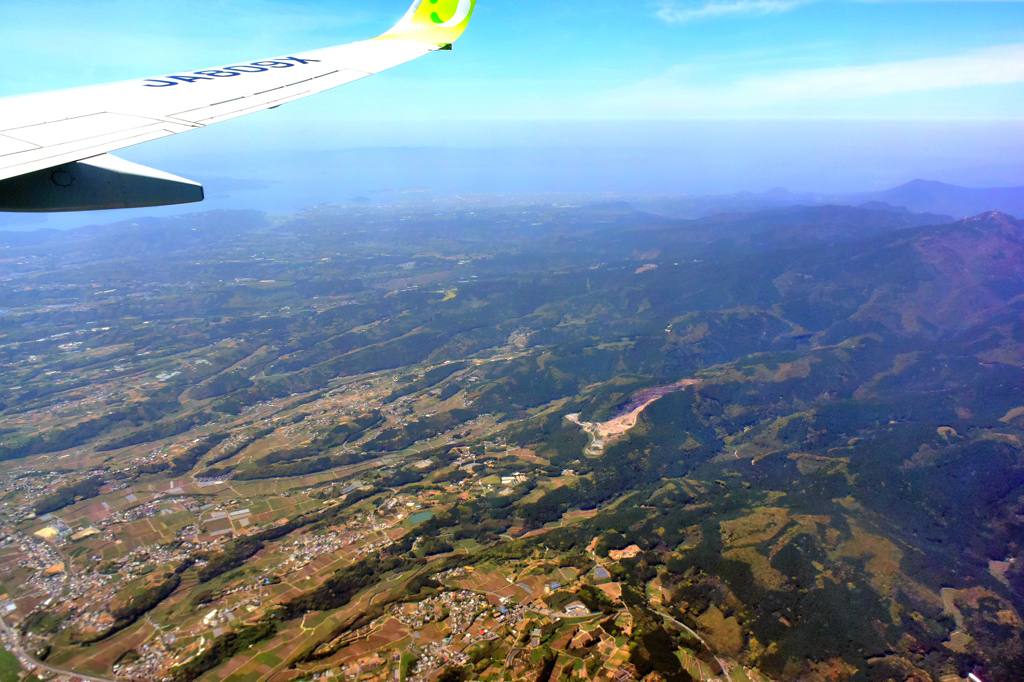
{"x":282,"y":441}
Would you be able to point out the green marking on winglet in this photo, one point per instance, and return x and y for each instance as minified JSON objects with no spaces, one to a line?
{"x":434,"y":17}
{"x":439,"y":22}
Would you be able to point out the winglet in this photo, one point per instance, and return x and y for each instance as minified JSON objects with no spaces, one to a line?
{"x":439,"y":22}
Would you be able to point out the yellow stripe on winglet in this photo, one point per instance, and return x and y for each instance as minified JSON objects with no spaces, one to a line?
{"x":439,"y":22}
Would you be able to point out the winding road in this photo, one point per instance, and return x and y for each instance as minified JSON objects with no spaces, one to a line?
{"x":18,"y":651}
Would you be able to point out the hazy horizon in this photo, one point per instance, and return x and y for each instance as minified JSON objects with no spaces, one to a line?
{"x":383,"y":162}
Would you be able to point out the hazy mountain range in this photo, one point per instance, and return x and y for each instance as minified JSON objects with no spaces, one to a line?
{"x":919,"y":196}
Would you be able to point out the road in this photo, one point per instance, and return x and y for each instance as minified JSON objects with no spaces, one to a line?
{"x":11,"y":639}
{"x":725,"y":668}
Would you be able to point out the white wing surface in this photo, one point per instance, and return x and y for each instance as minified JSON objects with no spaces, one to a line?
{"x":42,"y":136}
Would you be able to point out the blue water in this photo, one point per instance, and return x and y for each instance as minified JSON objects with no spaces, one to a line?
{"x":420,"y":517}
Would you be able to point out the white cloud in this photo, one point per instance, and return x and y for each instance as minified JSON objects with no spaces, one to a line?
{"x":678,"y":93}
{"x":677,"y":12}
{"x":998,"y":65}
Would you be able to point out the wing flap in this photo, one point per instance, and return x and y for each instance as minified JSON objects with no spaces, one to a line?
{"x":8,"y":145}
{"x":101,"y":182}
{"x":265,"y":99}
{"x":45,"y":157}
{"x":57,"y":133}
{"x":208,"y":115}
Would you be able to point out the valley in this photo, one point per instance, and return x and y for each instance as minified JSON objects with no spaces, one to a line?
{"x":480,"y":443}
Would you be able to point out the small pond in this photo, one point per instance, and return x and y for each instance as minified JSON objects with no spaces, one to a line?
{"x":420,"y":517}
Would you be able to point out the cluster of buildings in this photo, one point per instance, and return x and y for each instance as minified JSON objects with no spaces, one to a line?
{"x":358,"y":670}
{"x":509,"y":482}
{"x":308,"y":547}
{"x":373,"y":547}
{"x":154,"y":456}
{"x":461,"y":608}
{"x":36,"y":553}
{"x":149,"y":663}
{"x":32,"y":486}
{"x":92,"y":617}
{"x":400,"y":501}
{"x":217,"y":618}
{"x":454,"y":573}
{"x":510,"y":613}
{"x":136,"y":562}
{"x":36,"y":485}
{"x":434,"y":656}
{"x":147,"y":510}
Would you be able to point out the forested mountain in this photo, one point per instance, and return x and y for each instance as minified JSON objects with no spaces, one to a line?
{"x":784,"y":444}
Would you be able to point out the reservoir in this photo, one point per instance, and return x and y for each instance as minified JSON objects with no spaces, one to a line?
{"x":420,"y":517}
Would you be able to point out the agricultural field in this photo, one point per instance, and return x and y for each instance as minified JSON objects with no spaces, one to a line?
{"x":599,"y":444}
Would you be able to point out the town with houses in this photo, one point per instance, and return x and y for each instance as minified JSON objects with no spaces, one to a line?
{"x":71,"y":573}
{"x":513,"y":442}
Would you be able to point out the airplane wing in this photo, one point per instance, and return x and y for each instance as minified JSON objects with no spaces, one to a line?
{"x":53,"y":145}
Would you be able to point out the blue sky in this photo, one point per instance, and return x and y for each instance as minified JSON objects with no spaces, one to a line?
{"x":569,"y":59}
{"x":525,"y":74}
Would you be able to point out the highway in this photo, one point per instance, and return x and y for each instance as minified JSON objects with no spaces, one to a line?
{"x":13,"y":645}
